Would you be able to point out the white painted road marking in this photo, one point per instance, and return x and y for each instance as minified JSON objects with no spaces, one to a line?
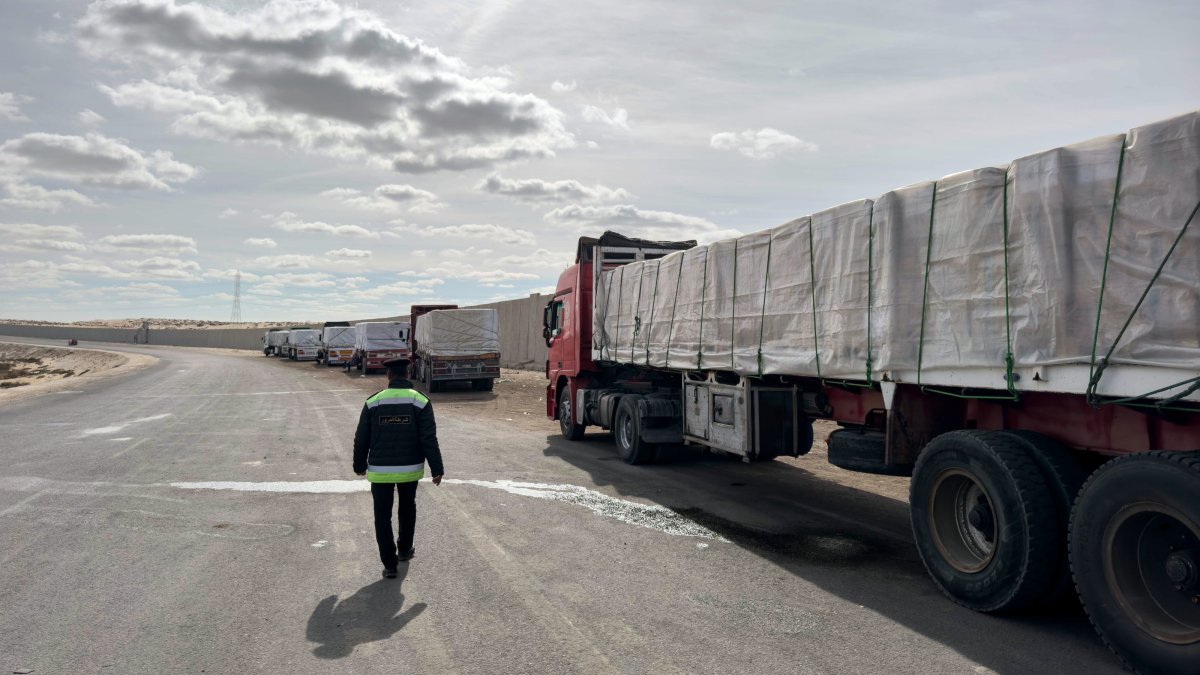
{"x":117,"y":427}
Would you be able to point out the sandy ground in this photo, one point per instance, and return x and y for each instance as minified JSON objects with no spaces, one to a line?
{"x":30,"y":370}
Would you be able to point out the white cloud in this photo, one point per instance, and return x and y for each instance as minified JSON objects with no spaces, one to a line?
{"x":148,"y":242}
{"x":498,"y":233}
{"x":765,"y":143}
{"x":93,"y":159}
{"x":404,"y":289}
{"x":618,"y":119}
{"x":453,"y":269}
{"x":227,"y":214}
{"x":538,"y":190}
{"x":15,"y":193}
{"x":262,"y":242}
{"x":387,"y":199}
{"x":10,"y":106}
{"x":290,"y":222}
{"x":351,"y":253}
{"x":135,"y":291}
{"x":635,"y":222}
{"x":320,"y":77}
{"x":90,"y":118}
{"x":31,"y":230}
{"x":229,"y":275}
{"x":43,"y":245}
{"x":287,"y":261}
{"x":158,"y":267}
{"x":539,"y":259}
{"x":563,"y":87}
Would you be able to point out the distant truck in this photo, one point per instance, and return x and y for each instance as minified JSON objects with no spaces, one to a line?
{"x":378,"y":341}
{"x":303,"y":344}
{"x":274,"y":341}
{"x":456,"y":345}
{"x":337,"y":343}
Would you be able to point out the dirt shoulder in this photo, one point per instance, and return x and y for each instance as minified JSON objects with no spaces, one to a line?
{"x":31,"y":370}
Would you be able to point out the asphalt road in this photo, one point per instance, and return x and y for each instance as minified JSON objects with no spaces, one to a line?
{"x":125,"y":549}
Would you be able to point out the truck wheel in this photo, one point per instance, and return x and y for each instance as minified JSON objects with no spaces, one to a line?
{"x":1135,"y":555}
{"x":1064,"y":476}
{"x":983,"y":520}
{"x":627,"y":430}
{"x":430,"y":385}
{"x":566,"y":417}
{"x":485,"y":384}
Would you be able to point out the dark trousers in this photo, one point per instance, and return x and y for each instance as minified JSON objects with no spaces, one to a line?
{"x":383,"y":494}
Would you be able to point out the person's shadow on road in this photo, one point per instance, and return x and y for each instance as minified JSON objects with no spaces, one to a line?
{"x":373,"y":613}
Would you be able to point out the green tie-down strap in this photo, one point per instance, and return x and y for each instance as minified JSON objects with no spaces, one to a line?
{"x":1099,"y":366}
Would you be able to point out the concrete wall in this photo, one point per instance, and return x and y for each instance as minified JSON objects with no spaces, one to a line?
{"x":521,"y":343}
{"x":227,"y":338}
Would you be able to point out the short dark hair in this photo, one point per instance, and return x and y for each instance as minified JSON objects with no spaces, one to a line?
{"x":398,"y":369}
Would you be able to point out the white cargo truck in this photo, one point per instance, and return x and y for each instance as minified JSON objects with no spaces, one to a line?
{"x":303,"y":344}
{"x":276,"y":343}
{"x":337,"y":343}
{"x":270,"y":341}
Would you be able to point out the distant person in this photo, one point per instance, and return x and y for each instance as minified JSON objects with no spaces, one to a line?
{"x":355,"y":359}
{"x":396,"y":435}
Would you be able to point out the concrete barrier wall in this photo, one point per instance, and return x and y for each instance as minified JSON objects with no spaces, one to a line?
{"x":226,"y":338}
{"x":521,"y":343}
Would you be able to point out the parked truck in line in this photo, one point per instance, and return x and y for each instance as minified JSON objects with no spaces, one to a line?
{"x":455,"y":345}
{"x":303,"y":344}
{"x":337,"y":343}
{"x":1022,"y":341}
{"x":276,"y":340}
{"x":271,"y":341}
{"x":378,"y":341}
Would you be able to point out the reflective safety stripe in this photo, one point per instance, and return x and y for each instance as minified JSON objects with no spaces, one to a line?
{"x":396,"y":469}
{"x":398,"y":397}
{"x":395,"y":477}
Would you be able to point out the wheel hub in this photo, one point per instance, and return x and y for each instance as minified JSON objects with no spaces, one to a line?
{"x":963,"y":521}
{"x":1182,"y":571}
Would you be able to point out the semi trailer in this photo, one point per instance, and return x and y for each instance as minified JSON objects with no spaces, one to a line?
{"x":456,"y":345}
{"x":271,"y":341}
{"x":1023,"y":341}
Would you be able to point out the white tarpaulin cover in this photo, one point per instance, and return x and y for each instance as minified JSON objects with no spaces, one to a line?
{"x":338,"y":336}
{"x":458,"y":332}
{"x":373,"y":336}
{"x":1044,"y":260}
{"x":277,"y":338}
{"x":305,"y":337}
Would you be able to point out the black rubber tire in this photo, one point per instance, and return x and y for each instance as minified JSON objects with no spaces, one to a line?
{"x":430,"y":385}
{"x":1013,"y":575}
{"x":1064,"y":476}
{"x":566,"y":421}
{"x":627,"y":433}
{"x":1133,"y":487}
{"x":484,"y":384}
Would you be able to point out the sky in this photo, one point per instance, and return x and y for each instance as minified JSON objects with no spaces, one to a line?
{"x":351,"y":159}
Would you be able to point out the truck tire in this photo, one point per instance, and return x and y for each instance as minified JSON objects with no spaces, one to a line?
{"x":627,"y":432}
{"x":485,"y":384}
{"x":430,"y":385}
{"x":983,"y":520}
{"x":566,"y":417}
{"x":1135,"y":556}
{"x":1064,"y":476}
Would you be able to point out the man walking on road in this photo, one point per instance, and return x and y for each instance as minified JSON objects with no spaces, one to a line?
{"x":396,"y":435}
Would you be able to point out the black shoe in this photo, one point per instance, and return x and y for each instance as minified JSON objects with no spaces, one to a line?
{"x":389,"y":573}
{"x":408,"y":555}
